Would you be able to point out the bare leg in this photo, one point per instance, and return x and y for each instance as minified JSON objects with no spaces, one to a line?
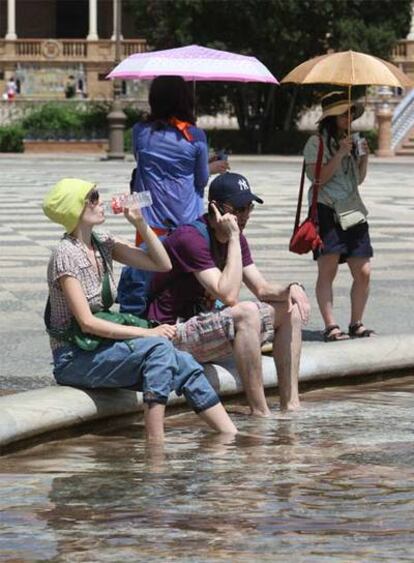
{"x":360,"y":270}
{"x":154,"y":422}
{"x":287,"y":346}
{"x":327,"y":268}
{"x":218,"y":419}
{"x":155,"y":457}
{"x":248,"y":357}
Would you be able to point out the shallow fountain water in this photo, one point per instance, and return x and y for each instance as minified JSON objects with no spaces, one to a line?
{"x":333,"y":482}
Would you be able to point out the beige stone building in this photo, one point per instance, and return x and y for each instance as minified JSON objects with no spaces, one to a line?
{"x":43,"y":42}
{"x":403,"y":53}
{"x":47,"y":44}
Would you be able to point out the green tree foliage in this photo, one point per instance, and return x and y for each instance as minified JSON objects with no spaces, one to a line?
{"x":370,"y":26}
{"x":11,"y":138}
{"x":60,"y":120}
{"x":281,"y":33}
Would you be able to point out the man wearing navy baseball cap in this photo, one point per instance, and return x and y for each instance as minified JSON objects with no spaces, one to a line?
{"x":211,"y":259}
{"x":231,"y":191}
{"x":233,"y":188}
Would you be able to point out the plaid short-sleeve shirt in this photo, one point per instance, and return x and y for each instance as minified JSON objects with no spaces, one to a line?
{"x":70,"y":258}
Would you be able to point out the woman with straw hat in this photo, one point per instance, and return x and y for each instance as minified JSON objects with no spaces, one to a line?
{"x":344,"y":167}
{"x":92,"y":350}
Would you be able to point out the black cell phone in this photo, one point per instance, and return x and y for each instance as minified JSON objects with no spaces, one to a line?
{"x":220,"y":209}
{"x":222,"y":155}
{"x":132,"y":181}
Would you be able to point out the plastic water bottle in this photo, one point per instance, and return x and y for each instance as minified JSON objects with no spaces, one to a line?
{"x":119,"y":201}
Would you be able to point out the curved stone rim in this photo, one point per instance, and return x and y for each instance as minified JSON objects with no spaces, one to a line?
{"x":32,"y":414}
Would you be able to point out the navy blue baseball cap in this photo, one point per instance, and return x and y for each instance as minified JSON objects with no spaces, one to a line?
{"x":232,"y":188}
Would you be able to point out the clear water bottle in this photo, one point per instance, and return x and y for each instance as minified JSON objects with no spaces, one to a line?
{"x":359,"y":144}
{"x":119,"y":201}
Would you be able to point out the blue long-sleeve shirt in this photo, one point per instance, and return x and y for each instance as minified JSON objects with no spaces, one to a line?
{"x":173,"y":169}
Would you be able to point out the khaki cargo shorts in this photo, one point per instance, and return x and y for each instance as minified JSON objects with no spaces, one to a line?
{"x":209,"y":336}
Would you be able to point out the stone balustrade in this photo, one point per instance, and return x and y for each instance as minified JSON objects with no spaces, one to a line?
{"x":403,"y":52}
{"x":219,"y":121}
{"x":66,"y":50}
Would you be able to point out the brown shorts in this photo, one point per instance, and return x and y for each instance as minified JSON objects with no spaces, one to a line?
{"x":209,"y":336}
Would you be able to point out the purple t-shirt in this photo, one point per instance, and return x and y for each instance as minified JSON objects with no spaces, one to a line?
{"x":178,"y":292}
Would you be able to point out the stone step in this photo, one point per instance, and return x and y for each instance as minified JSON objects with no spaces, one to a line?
{"x":403,"y":151}
{"x":406,"y":148}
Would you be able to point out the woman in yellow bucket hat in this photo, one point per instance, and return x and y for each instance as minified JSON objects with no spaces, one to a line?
{"x":90,"y":348}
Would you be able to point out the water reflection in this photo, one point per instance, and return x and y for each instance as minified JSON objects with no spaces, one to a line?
{"x":333,"y":482}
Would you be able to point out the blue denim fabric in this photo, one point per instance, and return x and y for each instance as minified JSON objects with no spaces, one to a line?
{"x":151,"y":365}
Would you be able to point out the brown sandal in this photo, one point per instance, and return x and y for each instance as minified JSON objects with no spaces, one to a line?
{"x":330,"y":336}
{"x":355,"y":332}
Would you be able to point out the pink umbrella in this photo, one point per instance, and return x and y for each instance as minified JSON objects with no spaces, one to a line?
{"x":193,"y":63}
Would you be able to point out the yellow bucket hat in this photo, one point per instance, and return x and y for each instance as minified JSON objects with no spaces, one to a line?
{"x":65,"y":202}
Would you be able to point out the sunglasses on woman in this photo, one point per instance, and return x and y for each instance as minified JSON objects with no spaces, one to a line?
{"x":92,"y":197}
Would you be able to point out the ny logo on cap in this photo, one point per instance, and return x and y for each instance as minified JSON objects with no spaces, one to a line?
{"x":243,"y":185}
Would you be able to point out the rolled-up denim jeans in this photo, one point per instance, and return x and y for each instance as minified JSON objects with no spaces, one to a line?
{"x":151,"y":365}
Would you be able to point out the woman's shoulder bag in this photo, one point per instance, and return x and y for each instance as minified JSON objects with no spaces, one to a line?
{"x":306,"y":235}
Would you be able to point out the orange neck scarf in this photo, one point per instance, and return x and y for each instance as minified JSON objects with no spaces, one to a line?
{"x":182,"y":126}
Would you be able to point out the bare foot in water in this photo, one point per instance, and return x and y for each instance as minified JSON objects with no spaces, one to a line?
{"x":248,"y":411}
{"x":291,"y":406}
{"x":258,"y":413}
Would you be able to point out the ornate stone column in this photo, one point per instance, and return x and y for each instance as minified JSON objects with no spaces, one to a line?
{"x":93,"y":21}
{"x":11,"y":20}
{"x":117,"y":117}
{"x":115,"y":15}
{"x":384,"y":119}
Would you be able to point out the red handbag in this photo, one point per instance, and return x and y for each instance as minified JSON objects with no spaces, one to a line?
{"x":306,"y":235}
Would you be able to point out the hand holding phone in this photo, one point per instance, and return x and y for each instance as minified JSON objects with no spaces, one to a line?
{"x":214,"y":207}
{"x":218,"y":164}
{"x":221,"y":155}
{"x":225,"y":221}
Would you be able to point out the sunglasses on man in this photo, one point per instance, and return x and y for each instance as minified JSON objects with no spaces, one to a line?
{"x":228,"y":208}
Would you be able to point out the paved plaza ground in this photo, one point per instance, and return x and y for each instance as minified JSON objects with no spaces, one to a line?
{"x":27,"y":237}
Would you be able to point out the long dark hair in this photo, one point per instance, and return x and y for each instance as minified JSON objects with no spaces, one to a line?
{"x":169,"y":97}
{"x":329,"y":127}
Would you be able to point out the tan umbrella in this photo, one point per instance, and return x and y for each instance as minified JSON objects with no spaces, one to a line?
{"x":348,"y":68}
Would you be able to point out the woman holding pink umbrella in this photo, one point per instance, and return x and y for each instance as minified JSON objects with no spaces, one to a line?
{"x":172,"y":156}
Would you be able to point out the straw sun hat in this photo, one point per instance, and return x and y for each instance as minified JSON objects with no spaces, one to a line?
{"x":337,"y":103}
